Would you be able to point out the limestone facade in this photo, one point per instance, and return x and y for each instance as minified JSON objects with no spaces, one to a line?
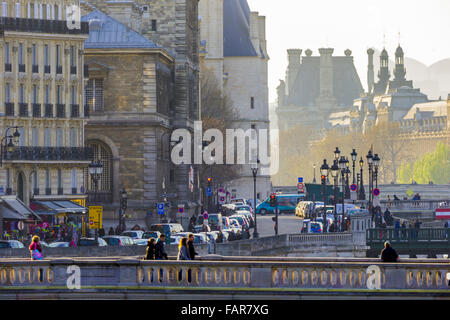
{"x":41,"y":78}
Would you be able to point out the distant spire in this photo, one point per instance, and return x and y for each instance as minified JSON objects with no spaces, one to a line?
{"x":399,"y":36}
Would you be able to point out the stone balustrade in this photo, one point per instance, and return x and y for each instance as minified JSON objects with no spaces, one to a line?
{"x":230,"y":273}
{"x":412,"y":204}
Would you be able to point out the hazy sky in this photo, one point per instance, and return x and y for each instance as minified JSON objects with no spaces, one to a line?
{"x":424,"y":27}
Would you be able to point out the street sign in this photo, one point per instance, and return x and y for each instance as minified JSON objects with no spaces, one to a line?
{"x":300,"y":179}
{"x":376,"y":192}
{"x":205,"y":215}
{"x":300,"y":186}
{"x":353,"y":187}
{"x":181,"y":210}
{"x":208,"y":191}
{"x":95,"y":216}
{"x":160,"y":208}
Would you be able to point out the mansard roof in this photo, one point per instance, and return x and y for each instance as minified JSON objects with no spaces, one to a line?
{"x":236,"y":29}
{"x":346,"y":83}
{"x":107,"y":33}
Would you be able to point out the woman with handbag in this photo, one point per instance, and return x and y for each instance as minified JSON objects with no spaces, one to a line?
{"x":35,"y":249}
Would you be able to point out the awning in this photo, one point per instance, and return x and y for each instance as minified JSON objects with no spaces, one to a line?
{"x":58,"y":207}
{"x":15,"y":209}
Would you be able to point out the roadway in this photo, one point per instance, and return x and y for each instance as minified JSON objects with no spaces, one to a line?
{"x":287,"y":224}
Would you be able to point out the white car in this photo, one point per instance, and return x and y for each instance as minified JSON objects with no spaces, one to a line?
{"x":133,"y":234}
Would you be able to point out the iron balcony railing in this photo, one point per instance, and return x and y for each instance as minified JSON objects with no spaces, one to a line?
{"x":36,"y":110}
{"x":58,"y":69}
{"x":8,"y":67}
{"x":99,"y":197}
{"x":35,"y":68}
{"x":9,"y":109}
{"x":40,"y":25}
{"x":47,"y":69}
{"x":36,"y":191}
{"x":51,"y":154}
{"x":60,"y":110}
{"x":23,"y":109}
{"x":8,"y":191}
{"x":48,"y":110}
{"x":21,"y":68}
{"x":48,"y":191}
{"x":60,"y":191}
{"x":73,"y":70}
{"x":74,"y":190}
{"x":74,"y":111}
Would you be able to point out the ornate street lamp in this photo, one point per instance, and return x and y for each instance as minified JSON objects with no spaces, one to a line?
{"x":314,"y":180}
{"x":376,"y":163}
{"x":95,"y":171}
{"x":335,"y":175}
{"x":255,"y":167}
{"x":324,"y":175}
{"x":8,"y":143}
{"x":347,"y":186}
{"x":123,"y":207}
{"x":337,"y":153}
{"x":362,"y":194}
{"x":353,"y":154}
{"x":369,"y":158}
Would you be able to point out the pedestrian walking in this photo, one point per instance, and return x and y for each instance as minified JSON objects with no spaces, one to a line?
{"x":35,"y":249}
{"x":73,"y":243}
{"x":396,"y":229}
{"x":191,"y":248}
{"x":388,"y":254}
{"x":150,"y":251}
{"x":160,"y":252}
{"x":183,"y":252}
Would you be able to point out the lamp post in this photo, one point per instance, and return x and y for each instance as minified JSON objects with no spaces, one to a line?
{"x":314,"y":180}
{"x":376,"y":163}
{"x":335,"y":174}
{"x":324,"y":175}
{"x":95,"y":170}
{"x":6,"y":146}
{"x":353,"y":154}
{"x":369,"y":158}
{"x":347,"y":185}
{"x":362,"y":193}
{"x":123,"y":207}
{"x":342,"y":167}
{"x":254,"y":168}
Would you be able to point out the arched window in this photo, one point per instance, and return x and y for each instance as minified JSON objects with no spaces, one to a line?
{"x":102,"y":153}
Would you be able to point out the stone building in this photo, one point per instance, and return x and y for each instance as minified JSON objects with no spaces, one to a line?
{"x":41,"y":94}
{"x":149,"y":91}
{"x":233,"y":47}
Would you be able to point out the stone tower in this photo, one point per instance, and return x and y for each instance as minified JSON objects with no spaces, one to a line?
{"x":370,"y":71}
{"x":326,"y":99}
{"x":400,"y":70}
{"x":293,"y":67}
{"x":383,"y":74}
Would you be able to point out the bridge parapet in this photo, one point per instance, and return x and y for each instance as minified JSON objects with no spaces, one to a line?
{"x":256,"y":274}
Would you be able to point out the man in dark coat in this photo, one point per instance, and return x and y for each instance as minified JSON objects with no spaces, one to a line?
{"x":388,"y":254}
{"x":192,"y":252}
{"x":160,"y":252}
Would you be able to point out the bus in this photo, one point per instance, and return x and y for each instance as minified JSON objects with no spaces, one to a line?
{"x":286,"y":204}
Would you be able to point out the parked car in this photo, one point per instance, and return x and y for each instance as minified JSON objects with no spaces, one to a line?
{"x":133,"y":234}
{"x":58,"y":244}
{"x":14,"y":244}
{"x":173,"y":239}
{"x":200,"y":238}
{"x":215,"y":221}
{"x":90,"y":242}
{"x":248,"y":215}
{"x":226,"y":236}
{"x":242,"y":221}
{"x":43,"y":244}
{"x":141,"y":242}
{"x":243,"y":208}
{"x":151,"y":234}
{"x":199,"y":228}
{"x":120,"y":241}
{"x":167,"y":229}
{"x":311,"y":226}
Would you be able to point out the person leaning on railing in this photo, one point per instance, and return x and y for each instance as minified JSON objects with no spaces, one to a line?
{"x":388,"y":254}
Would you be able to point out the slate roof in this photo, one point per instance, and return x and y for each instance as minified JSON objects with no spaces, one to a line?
{"x":106,"y":32}
{"x":428,"y":110}
{"x":236,"y":29}
{"x":346,"y":83}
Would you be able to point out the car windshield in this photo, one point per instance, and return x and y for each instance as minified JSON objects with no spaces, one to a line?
{"x":243,"y":208}
{"x":86,"y":242}
{"x":112,"y":241}
{"x":130,"y":234}
{"x":4,"y":245}
{"x":161,"y":228}
{"x":149,"y":235}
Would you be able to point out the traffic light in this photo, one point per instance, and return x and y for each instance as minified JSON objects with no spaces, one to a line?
{"x":209,"y":180}
{"x":323,"y":177}
{"x":273,"y":200}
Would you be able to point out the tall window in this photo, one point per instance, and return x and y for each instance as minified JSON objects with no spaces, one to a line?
{"x":47,"y":178}
{"x":35,"y":136}
{"x":73,"y":56}
{"x":8,"y":92}
{"x":36,"y":11}
{"x":21,"y":93}
{"x":17,"y":10}
{"x":34,"y":54}
{"x":102,"y":153}
{"x":153,"y":25}
{"x":59,"y":137}
{"x":58,"y":12}
{"x":20,"y":53}
{"x":35,"y":180}
{"x":8,"y":178}
{"x":60,"y":185}
{"x":94,"y":94}
{"x":58,"y":62}
{"x":22,"y":137}
{"x":47,"y":137}
{"x":73,"y":137}
{"x":74,"y":178}
{"x":73,"y":96}
{"x":58,"y":94}
{"x":47,"y":94}
{"x":46,"y":55}
{"x":35,"y":94}
{"x":4,"y":9}
{"x":7,"y":57}
{"x":252,"y":103}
